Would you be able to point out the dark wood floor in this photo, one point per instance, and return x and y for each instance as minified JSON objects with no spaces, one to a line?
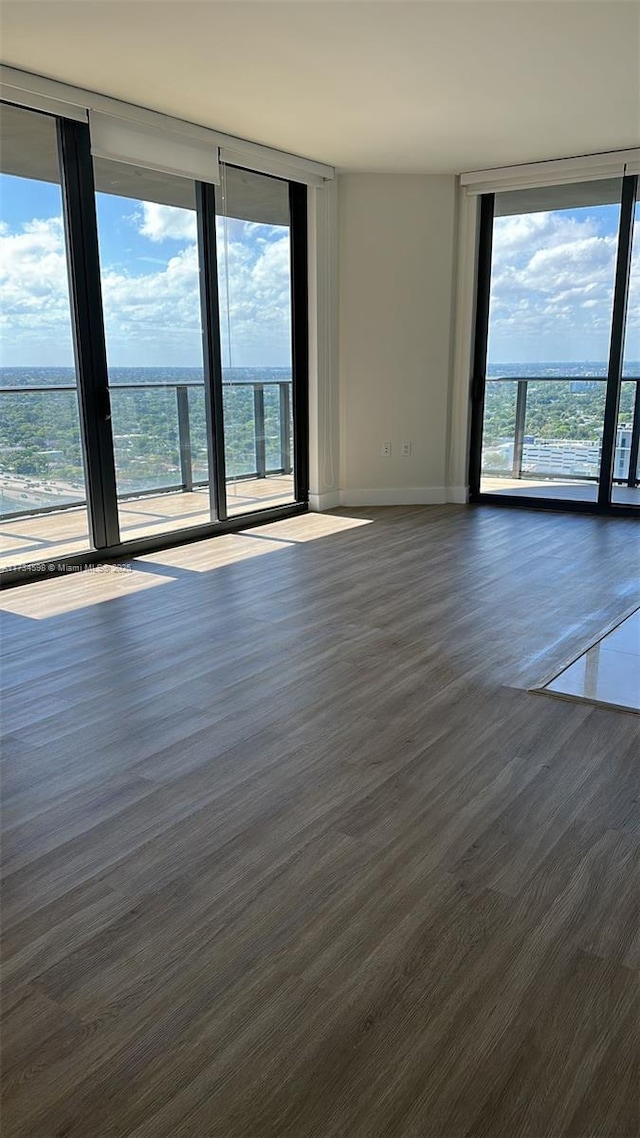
{"x":290,"y":850}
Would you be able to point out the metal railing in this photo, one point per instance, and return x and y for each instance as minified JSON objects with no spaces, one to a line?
{"x":631,"y":476}
{"x":260,"y":456}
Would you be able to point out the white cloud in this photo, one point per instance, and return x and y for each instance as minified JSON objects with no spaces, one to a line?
{"x":254,"y":278}
{"x":34,"y":294}
{"x":151,"y":317}
{"x":520,"y":232}
{"x":154,"y":317}
{"x":167,"y":222}
{"x":551,"y":288}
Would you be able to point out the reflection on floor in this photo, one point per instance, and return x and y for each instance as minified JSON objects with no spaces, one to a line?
{"x":609,"y":672}
{"x":570,"y":490}
{"x":44,"y":537}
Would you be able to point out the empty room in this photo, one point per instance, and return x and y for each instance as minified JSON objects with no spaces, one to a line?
{"x":319,"y":551}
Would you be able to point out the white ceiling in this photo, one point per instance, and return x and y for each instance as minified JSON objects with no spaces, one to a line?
{"x":410,"y":85}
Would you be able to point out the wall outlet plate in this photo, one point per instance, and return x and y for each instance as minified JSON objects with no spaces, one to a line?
{"x":406,"y":450}
{"x":385,"y":450}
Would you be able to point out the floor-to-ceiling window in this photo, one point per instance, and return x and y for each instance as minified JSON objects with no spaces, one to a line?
{"x":150,"y":277}
{"x":42,"y":470}
{"x":556,"y":413}
{"x":253,"y":235}
{"x":154,"y":352}
{"x":627,"y":464}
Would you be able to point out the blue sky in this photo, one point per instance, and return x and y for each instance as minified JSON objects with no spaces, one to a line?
{"x":552,"y":281}
{"x":150,"y":283}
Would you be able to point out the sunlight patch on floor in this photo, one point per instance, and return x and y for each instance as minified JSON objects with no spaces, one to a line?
{"x":310,"y":527}
{"x":76,"y":589}
{"x":213,"y":553}
{"x":82,"y":586}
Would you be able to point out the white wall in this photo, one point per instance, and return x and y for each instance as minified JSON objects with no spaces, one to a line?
{"x":396,"y":257}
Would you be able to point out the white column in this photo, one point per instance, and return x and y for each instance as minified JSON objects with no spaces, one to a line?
{"x":324,"y":422}
{"x":464,"y":322}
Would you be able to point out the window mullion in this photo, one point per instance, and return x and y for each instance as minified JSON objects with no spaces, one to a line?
{"x":212,"y":360}
{"x":618,"y":320}
{"x":88,"y":330}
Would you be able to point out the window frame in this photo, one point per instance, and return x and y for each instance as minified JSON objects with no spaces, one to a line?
{"x":81,"y":234}
{"x":614,"y":379}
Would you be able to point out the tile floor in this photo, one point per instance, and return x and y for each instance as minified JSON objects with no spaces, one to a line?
{"x":609,"y":672}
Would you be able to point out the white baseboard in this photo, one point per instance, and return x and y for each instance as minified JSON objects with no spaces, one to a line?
{"x":459,"y":494}
{"x":320,"y":502}
{"x":403,"y":496}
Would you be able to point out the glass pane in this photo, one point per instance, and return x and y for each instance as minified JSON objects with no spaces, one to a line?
{"x":626,"y":467}
{"x":631,"y":357}
{"x":151,"y":296}
{"x":43,"y":511}
{"x":552,"y":278}
{"x":254,"y":277}
{"x":498,"y":437}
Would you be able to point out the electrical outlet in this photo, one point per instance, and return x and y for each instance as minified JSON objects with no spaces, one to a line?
{"x":406,"y":450}
{"x":385,"y":450}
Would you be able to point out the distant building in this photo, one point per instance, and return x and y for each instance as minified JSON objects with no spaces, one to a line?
{"x":561,"y":456}
{"x":569,"y":457}
{"x":623,"y":447}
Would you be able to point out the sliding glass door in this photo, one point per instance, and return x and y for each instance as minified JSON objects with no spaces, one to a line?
{"x":155,"y":351}
{"x":553,"y":420}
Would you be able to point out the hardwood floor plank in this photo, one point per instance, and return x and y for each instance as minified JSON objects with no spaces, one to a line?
{"x":573,"y":1031}
{"x":610,"y":1103}
{"x":291,"y":852}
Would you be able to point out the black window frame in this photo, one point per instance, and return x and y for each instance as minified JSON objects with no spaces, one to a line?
{"x":603,"y":503}
{"x":81,"y":233}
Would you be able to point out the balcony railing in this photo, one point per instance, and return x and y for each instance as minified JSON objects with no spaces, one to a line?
{"x":522,"y":451}
{"x":160,"y":440}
